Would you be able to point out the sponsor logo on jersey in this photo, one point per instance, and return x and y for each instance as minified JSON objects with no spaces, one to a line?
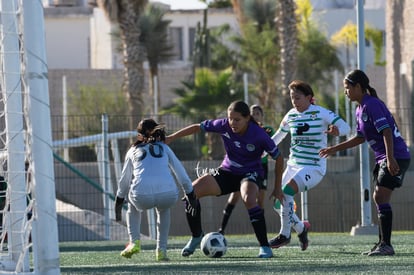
{"x":380,"y":119}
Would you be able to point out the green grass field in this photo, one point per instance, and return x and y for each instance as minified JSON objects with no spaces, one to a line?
{"x":328,"y":253}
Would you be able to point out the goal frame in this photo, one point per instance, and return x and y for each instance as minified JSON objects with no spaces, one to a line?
{"x":28,"y":140}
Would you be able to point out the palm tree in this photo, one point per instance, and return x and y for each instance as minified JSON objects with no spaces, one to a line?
{"x":216,"y":88}
{"x":222,"y":56}
{"x":126,"y":14}
{"x":286,"y":25}
{"x":311,"y":43}
{"x":201,"y":51}
{"x":347,"y":37}
{"x":238,"y":10}
{"x":206,"y":96}
{"x":376,"y":37}
{"x":260,"y":12}
{"x":260,"y":57}
{"x":154,"y":37}
{"x":258,"y":44}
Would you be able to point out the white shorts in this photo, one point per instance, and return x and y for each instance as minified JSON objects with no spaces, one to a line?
{"x":306,"y":177}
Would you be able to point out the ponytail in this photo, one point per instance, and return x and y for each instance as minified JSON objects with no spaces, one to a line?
{"x":150,"y":131}
{"x":372,"y":92}
{"x":359,"y":77}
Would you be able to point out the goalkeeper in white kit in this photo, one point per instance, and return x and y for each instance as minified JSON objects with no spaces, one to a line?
{"x":148,"y":181}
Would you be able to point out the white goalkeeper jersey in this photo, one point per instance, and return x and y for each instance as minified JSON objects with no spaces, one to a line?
{"x":151,"y":169}
{"x":307,"y":130}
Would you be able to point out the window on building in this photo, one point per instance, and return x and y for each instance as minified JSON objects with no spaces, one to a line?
{"x":176,"y":36}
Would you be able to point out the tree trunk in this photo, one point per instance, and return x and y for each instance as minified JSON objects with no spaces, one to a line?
{"x":126,"y":14}
{"x":154,"y":83}
{"x":286,"y":25}
{"x":238,"y":10}
{"x":134,"y":57}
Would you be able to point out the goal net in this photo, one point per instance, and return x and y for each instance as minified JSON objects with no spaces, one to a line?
{"x":28,"y":239}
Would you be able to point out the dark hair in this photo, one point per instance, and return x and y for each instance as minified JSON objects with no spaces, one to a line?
{"x":303,"y":87}
{"x":241,"y":107}
{"x":256,"y":107}
{"x":359,"y":77}
{"x":150,"y":130}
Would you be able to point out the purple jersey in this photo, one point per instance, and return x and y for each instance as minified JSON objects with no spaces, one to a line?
{"x":373,"y":117}
{"x":243,"y":152}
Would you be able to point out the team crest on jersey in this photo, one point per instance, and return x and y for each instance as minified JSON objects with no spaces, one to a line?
{"x":313,"y":115}
{"x":250,"y":147}
{"x":364,"y":117}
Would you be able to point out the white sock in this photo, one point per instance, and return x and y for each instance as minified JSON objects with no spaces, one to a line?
{"x":297,"y":224}
{"x":286,"y":219}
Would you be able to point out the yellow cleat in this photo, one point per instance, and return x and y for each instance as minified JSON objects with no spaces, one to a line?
{"x":131,"y":249}
{"x":161,"y":255}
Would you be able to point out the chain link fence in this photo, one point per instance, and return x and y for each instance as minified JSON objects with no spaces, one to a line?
{"x":333,"y":206}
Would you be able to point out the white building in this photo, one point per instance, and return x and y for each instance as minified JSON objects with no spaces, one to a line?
{"x":68,"y":32}
{"x":79,"y":35}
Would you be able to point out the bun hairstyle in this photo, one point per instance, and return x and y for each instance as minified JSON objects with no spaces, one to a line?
{"x":359,"y":77}
{"x":151,"y":131}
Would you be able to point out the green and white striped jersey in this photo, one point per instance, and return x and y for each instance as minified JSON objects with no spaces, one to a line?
{"x":307,"y":130}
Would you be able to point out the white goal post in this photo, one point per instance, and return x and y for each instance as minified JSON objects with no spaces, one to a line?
{"x":29,"y":221}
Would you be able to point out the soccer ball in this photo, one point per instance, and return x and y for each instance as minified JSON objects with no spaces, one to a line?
{"x":214,"y":245}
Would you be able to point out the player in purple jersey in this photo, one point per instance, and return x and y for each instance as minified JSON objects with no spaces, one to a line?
{"x":257,"y":113}
{"x":376,"y":125}
{"x":241,"y":170}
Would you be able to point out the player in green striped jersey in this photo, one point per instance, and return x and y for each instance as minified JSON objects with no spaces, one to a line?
{"x":308,"y":125}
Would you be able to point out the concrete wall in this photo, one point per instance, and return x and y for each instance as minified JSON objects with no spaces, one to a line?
{"x":169,"y":78}
{"x":80,"y":37}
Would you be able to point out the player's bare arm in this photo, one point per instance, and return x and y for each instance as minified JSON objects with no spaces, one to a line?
{"x":186,"y":131}
{"x":277,"y":192}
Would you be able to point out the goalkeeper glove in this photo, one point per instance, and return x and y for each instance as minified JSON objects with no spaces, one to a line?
{"x":119,"y":202}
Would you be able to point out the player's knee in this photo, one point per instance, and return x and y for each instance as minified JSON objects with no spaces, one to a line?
{"x":288,"y":190}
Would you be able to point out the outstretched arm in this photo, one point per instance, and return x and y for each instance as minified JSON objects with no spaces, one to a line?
{"x":325,"y":152}
{"x":186,"y":131}
{"x":179,"y":171}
